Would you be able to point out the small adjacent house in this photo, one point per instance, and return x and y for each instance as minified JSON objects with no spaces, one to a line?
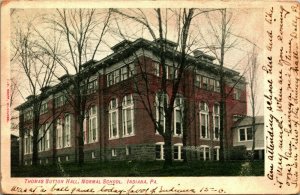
{"x":242,"y":135}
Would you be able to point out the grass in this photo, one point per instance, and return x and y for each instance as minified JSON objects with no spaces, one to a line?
{"x":138,"y":168}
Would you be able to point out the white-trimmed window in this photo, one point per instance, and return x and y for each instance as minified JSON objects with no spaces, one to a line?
{"x":93,"y":125}
{"x":47,"y":136}
{"x":236,"y":94}
{"x":28,"y":143}
{"x":41,"y":139}
{"x":173,"y":72}
{"x":113,"y":119}
{"x":216,"y":122}
{"x":216,"y":152}
{"x":84,"y":129}
{"x":177,"y":151}
{"x":128,"y":150}
{"x":59,"y":134}
{"x":217,"y":86}
{"x":204,"y":133}
{"x":211,"y":84}
{"x":204,"y":82}
{"x":204,"y":152}
{"x":178,"y":116}
{"x":59,"y":101}
{"x":245,"y":134}
{"x":28,"y":115}
{"x":128,"y":115}
{"x":67,"y":131}
{"x":124,"y":73}
{"x":44,"y":108}
{"x":160,"y":99}
{"x":92,"y":86}
{"x":159,"y":151}
{"x":156,"y":69}
{"x":198,"y":80}
{"x":114,"y":152}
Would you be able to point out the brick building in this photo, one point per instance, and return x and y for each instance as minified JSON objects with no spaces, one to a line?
{"x":117,"y":125}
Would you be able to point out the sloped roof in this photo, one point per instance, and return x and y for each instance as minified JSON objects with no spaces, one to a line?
{"x":246,"y":121}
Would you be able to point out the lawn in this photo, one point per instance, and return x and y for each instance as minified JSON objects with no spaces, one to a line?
{"x":138,"y":168}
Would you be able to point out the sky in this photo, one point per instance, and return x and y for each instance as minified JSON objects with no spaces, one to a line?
{"x":246,"y":23}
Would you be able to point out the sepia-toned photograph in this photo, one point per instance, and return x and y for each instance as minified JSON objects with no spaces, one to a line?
{"x":122,"y":99}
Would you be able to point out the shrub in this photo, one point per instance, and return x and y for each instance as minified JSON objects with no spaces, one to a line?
{"x":238,"y":153}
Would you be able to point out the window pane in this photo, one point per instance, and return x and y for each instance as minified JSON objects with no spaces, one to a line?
{"x":249,"y":134}
{"x":157,"y":151}
{"x":176,"y":157}
{"x":242,"y":135}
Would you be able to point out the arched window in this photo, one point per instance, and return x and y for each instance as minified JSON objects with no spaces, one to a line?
{"x":92,"y":133}
{"x":216,"y":121}
{"x":160,"y":100}
{"x":204,"y":133}
{"x":178,"y":116}
{"x":113,"y":119}
{"x":128,"y":115}
{"x":204,"y":152}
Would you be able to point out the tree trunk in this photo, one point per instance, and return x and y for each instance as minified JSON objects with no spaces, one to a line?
{"x":80,"y":141}
{"x":168,"y":144}
{"x":35,"y":131}
{"x":253,"y":138}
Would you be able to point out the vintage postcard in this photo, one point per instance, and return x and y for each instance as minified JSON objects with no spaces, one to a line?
{"x":150,"y":97}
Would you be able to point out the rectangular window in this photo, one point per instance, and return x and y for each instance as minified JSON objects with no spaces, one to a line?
{"x":156,"y":69}
{"x":172,"y":72}
{"x":217,"y":126}
{"x":28,"y":115}
{"x":92,"y":86}
{"x":117,"y":76}
{"x":204,"y":82}
{"x":211,"y":84}
{"x":110,"y":79}
{"x":204,"y":125}
{"x":198,"y":80}
{"x":67,"y":131}
{"x":236,"y":94}
{"x":178,"y":116}
{"x":159,"y":151}
{"x":245,"y":134}
{"x":93,"y":126}
{"x":217,"y":86}
{"x":113,"y":119}
{"x":124,"y":71}
{"x":44,"y":108}
{"x":249,"y":133}
{"x":47,"y":137}
{"x":128,"y":150}
{"x":127,"y":115}
{"x":59,"y":101}
{"x":177,"y":153}
{"x":59,"y":134}
{"x":242,"y":134}
{"x":114,"y":152}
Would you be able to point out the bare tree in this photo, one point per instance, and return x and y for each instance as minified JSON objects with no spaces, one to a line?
{"x":166,"y":93}
{"x":80,"y":33}
{"x":253,"y":67}
{"x":38,"y":75}
{"x":218,"y":41}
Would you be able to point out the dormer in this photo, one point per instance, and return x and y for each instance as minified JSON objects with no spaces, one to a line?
{"x":120,"y":45}
{"x":202,"y":56}
{"x":169,"y":44}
